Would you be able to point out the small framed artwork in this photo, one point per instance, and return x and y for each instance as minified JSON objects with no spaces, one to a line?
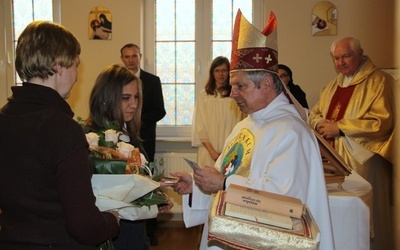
{"x":324,"y":19}
{"x":100,"y":24}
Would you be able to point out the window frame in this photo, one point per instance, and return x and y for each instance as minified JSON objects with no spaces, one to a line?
{"x":202,"y":62}
{"x":7,"y":56}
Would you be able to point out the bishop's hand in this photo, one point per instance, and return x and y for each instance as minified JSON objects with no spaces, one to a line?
{"x":208,"y":179}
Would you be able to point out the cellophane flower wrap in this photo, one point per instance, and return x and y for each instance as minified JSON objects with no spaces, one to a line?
{"x":122,"y":178}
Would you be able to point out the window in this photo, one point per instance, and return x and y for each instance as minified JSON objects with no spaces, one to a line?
{"x":23,"y":13}
{"x":180,"y":46}
{"x":16,"y":14}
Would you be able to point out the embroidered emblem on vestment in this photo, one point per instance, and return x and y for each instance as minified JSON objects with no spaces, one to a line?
{"x":237,"y":155}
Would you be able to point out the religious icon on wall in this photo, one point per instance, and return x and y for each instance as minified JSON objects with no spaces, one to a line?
{"x":324,"y":19}
{"x":100,"y":21}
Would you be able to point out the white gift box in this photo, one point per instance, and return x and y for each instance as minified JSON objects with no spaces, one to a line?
{"x":115,"y":192}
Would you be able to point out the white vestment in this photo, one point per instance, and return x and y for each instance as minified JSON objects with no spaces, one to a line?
{"x":214,"y":119}
{"x":285,"y":159}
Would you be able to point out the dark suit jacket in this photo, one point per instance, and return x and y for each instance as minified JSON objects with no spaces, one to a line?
{"x":153,"y":110}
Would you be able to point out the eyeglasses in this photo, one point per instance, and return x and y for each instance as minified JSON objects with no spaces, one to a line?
{"x":218,"y":71}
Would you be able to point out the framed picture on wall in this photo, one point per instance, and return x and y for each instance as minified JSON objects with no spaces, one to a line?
{"x":100,"y":24}
{"x":324,"y":19}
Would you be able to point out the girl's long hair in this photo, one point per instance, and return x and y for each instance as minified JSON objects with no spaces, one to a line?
{"x":106,"y":97}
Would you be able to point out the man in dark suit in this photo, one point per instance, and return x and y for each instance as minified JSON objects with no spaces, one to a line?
{"x":152,"y":111}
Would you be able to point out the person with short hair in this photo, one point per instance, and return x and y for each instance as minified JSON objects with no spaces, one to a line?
{"x":272,"y":149}
{"x":355,"y":114}
{"x":46,"y":196}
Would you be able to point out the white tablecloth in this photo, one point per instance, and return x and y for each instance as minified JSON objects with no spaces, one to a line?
{"x":350,"y":213}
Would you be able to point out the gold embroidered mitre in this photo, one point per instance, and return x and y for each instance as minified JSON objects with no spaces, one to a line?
{"x":252,"y":49}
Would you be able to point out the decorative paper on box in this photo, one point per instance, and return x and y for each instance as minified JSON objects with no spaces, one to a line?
{"x":244,"y":234}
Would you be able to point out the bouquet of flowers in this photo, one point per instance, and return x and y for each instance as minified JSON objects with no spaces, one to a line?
{"x":112,"y":156}
{"x":122,"y":179}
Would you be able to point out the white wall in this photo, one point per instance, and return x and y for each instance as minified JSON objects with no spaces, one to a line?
{"x":308,"y":56}
{"x":97,"y":54}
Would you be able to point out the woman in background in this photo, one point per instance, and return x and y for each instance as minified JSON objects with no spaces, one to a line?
{"x":215,"y":113}
{"x":117,"y":97}
{"x":286,"y":75}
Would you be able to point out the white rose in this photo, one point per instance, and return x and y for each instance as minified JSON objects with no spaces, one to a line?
{"x":111,"y":135}
{"x":92,"y":139}
{"x":125,"y":148}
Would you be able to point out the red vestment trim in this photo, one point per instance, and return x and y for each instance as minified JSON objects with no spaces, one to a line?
{"x":339,"y":103}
